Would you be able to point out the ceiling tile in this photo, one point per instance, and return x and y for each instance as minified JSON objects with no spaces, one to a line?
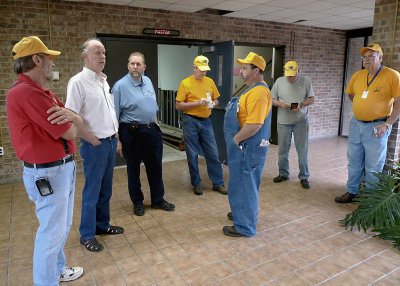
{"x":288,"y":3}
{"x":203,"y":3}
{"x":288,"y":13}
{"x":238,"y":14}
{"x":233,"y":5}
{"x":317,"y":6}
{"x":184,"y":8}
{"x":262,"y":9}
{"x":360,"y":14}
{"x":148,"y":4}
{"x":366,"y":4}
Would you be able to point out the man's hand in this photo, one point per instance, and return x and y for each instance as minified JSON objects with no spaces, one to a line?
{"x":380,"y":129}
{"x":202,"y":102}
{"x":119,"y":148}
{"x":284,"y":105}
{"x":61,"y":115}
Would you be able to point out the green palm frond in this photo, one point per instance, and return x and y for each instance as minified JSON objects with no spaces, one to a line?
{"x":378,"y":205}
{"x":391,"y":234}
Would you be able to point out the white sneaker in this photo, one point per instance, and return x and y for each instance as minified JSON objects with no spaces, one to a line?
{"x":71,"y":273}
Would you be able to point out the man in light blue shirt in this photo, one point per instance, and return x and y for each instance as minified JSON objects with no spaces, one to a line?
{"x":140,"y":137}
{"x":292,"y":94}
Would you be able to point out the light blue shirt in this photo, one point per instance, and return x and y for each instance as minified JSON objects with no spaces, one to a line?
{"x":135,"y":101}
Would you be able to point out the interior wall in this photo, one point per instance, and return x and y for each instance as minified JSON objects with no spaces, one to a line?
{"x":320,"y":52}
{"x":177,"y":58}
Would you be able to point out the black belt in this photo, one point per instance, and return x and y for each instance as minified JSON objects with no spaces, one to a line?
{"x":376,"y":120}
{"x":137,"y":125}
{"x":50,"y":164}
{"x":196,"y":117}
{"x":109,"y":138}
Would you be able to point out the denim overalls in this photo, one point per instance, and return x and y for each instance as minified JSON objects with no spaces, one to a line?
{"x":246,"y":163}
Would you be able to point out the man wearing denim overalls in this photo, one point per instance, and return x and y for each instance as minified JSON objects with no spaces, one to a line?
{"x":247,"y":128}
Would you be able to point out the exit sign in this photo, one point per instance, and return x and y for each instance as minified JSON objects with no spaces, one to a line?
{"x":161,"y":32}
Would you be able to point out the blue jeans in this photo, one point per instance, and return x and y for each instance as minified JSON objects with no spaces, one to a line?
{"x":54,"y":213}
{"x":300,"y":134}
{"x":98,"y":168}
{"x":199,"y":133}
{"x":365,"y":151}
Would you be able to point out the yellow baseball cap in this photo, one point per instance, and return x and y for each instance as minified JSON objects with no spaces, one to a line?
{"x":291,"y":68}
{"x":254,"y":59}
{"x":30,"y":46}
{"x":373,"y":47}
{"x":202,"y":63}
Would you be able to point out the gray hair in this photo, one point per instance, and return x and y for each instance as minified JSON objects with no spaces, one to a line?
{"x":25,"y":64}
{"x":85,"y":45}
{"x":137,"y":54}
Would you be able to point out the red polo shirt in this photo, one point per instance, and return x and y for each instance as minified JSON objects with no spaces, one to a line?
{"x":34,"y":138}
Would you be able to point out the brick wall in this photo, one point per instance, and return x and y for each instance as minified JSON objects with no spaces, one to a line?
{"x":384,"y":19}
{"x":319,"y":52}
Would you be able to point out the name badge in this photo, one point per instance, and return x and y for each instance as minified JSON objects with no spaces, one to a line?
{"x":365,"y":94}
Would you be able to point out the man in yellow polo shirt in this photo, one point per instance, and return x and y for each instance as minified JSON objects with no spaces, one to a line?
{"x":375,"y":92}
{"x":197,"y":96}
{"x":247,"y":129}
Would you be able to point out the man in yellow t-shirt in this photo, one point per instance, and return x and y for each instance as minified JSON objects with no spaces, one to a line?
{"x":197,"y":96}
{"x":247,"y":129}
{"x":375,"y":92}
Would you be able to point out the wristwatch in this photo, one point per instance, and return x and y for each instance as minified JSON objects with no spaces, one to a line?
{"x":388,"y":124}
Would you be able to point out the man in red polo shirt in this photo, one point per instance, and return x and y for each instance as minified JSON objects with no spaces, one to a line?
{"x":42,"y":133}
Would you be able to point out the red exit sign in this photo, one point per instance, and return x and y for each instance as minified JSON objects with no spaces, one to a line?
{"x":162,"y":32}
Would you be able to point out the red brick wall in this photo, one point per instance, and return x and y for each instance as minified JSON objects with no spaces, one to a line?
{"x":384,"y":19}
{"x":319,"y":52}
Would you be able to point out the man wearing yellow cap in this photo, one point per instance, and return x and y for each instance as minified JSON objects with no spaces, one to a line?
{"x":375,"y":92}
{"x":247,"y":129}
{"x":292,"y":94}
{"x":42,"y":132}
{"x":197,"y":96}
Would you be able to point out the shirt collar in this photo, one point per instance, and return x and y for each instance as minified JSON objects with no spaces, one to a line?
{"x":27,"y":79}
{"x":93,"y":75}
{"x":134,"y":82}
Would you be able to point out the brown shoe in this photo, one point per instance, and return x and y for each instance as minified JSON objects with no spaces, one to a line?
{"x":231,"y":231}
{"x":345,"y":199}
{"x":197,"y":190}
{"x":220,"y":189}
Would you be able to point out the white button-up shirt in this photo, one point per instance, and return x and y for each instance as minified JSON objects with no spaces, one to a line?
{"x":88,"y":94}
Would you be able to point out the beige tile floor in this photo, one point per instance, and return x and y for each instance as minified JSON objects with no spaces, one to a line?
{"x":299,"y":241}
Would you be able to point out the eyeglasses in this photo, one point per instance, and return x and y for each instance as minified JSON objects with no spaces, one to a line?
{"x":370,"y":57}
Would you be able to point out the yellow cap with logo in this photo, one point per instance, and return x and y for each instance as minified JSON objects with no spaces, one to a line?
{"x":30,"y":46}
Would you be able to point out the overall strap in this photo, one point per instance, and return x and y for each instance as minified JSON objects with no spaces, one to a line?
{"x":257,"y":84}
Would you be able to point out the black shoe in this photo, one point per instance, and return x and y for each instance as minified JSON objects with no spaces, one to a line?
{"x":113,"y":229}
{"x":138,"y":210}
{"x":91,"y":244}
{"x":230,"y":216}
{"x":280,"y":179}
{"x":166,"y":206}
{"x":345,"y":199}
{"x":220,"y":189}
{"x":197,"y":190}
{"x":231,"y":231}
{"x":305,"y":183}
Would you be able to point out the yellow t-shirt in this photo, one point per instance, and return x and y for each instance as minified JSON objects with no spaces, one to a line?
{"x":192,"y":89}
{"x":254,"y":106}
{"x":381,"y":92}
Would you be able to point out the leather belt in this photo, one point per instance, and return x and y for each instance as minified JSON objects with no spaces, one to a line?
{"x":109,"y":138}
{"x":137,"y":125}
{"x":376,"y":120}
{"x":196,"y":117}
{"x":50,"y":164}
